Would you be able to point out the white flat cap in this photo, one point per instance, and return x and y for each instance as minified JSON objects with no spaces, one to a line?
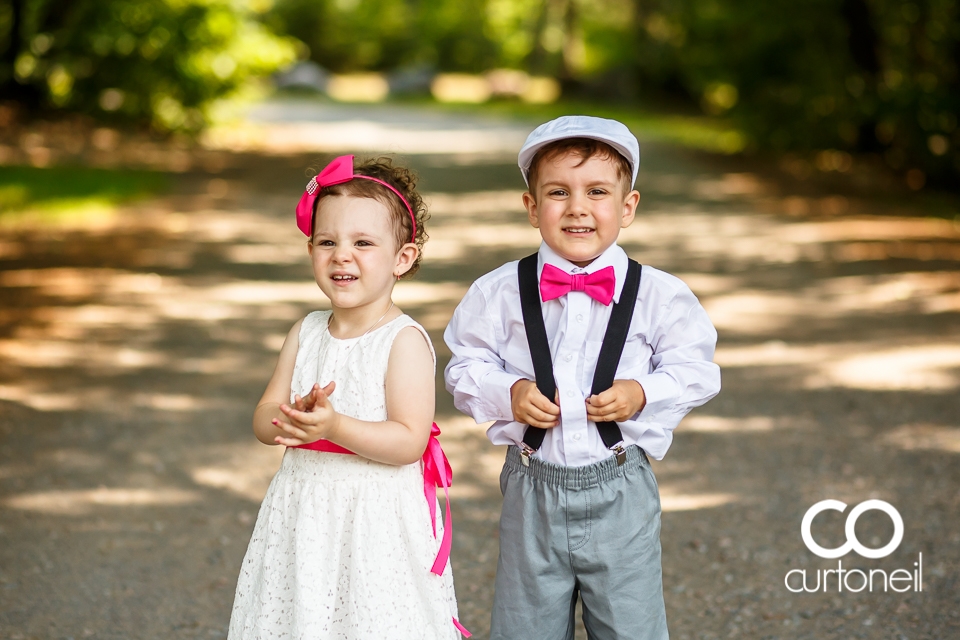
{"x":612,"y":132}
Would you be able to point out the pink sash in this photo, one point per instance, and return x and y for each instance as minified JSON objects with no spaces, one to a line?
{"x":437,"y":472}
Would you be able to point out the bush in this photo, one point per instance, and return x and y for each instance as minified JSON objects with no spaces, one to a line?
{"x":158,"y":61}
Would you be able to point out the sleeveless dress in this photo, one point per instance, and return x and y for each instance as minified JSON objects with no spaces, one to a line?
{"x":343,"y":546}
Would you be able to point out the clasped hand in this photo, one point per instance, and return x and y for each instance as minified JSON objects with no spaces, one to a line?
{"x":621,"y":401}
{"x":311,"y":418}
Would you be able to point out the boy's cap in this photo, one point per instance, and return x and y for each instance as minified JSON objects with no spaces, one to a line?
{"x":612,"y":132}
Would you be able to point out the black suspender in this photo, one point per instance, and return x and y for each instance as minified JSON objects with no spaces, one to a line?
{"x":614,"y":340}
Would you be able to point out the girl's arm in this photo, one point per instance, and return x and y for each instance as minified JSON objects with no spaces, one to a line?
{"x":277,"y":391}
{"x":402,"y":438}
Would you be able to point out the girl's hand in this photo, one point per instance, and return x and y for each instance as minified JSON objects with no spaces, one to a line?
{"x":310,"y":419}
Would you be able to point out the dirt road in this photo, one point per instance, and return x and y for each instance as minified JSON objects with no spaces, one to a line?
{"x":133,"y":348}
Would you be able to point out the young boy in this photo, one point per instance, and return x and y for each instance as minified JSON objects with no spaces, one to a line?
{"x":586,"y":363}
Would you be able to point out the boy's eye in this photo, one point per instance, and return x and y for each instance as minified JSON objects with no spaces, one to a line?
{"x":558,"y":193}
{"x":364,"y":243}
{"x":598,"y":192}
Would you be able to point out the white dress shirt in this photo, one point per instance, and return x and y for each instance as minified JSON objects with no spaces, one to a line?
{"x":669,"y":351}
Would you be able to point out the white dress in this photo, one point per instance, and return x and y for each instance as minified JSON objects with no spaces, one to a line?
{"x":343,"y":545}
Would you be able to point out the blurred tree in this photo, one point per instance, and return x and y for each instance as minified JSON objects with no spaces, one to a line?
{"x":159,"y":61}
{"x":363,"y":35}
{"x":878,"y":76}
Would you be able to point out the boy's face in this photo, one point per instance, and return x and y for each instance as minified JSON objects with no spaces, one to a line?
{"x":579,"y":210}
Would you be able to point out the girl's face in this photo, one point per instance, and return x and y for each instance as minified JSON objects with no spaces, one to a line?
{"x":355,"y":258}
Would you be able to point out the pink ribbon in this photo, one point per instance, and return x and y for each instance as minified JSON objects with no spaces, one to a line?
{"x":556,"y":282}
{"x":438,"y":473}
{"x":339,"y":170}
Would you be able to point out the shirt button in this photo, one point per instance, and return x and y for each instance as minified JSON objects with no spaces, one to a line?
{"x":568,"y":357}
{"x":580,"y":318}
{"x":569,"y":394}
{"x":576,"y":436}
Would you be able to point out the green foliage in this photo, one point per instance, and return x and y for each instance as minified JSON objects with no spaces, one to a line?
{"x":23,"y":187}
{"x":875,"y":76}
{"x":162,"y":61}
{"x":69,"y":194}
{"x":864,"y":75}
{"x":360,"y":35}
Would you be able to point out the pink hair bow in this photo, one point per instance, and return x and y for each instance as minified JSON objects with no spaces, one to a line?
{"x":339,"y":170}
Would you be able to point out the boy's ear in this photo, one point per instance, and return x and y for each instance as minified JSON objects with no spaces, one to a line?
{"x":630,"y":208}
{"x":406,"y":256}
{"x":530,"y":203}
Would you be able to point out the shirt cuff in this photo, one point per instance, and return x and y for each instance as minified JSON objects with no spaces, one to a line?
{"x":495,"y":393}
{"x":659,"y":391}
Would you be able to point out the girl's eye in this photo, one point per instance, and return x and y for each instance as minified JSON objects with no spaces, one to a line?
{"x":324,"y":243}
{"x":364,"y":243}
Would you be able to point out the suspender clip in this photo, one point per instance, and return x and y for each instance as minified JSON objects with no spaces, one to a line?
{"x":620,"y":452}
{"x":525,"y":453}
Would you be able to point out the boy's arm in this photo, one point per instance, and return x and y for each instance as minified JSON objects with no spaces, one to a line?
{"x":475,"y":374}
{"x":684,"y":375}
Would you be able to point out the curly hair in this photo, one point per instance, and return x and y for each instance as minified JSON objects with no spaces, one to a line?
{"x":401,"y":178}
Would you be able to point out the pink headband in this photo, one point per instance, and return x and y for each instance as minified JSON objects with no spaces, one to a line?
{"x":339,"y":170}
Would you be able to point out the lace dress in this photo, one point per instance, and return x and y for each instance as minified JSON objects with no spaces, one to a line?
{"x":343,"y":545}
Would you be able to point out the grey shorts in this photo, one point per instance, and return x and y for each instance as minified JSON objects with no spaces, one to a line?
{"x":592,"y":531}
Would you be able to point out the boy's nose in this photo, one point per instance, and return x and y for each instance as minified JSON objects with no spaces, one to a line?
{"x":577,"y":205}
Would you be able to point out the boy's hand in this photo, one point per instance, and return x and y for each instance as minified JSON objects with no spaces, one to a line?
{"x":621,"y":401}
{"x":532,"y":407}
{"x":310,"y":419}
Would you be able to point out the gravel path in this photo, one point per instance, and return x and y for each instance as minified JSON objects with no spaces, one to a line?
{"x":133,"y":347}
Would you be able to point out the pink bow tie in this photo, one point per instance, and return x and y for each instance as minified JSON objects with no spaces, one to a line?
{"x":599,"y":285}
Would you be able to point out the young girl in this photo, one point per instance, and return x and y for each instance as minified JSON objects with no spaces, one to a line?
{"x":345,"y":545}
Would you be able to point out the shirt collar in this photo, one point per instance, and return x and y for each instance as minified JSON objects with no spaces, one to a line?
{"x":613,"y":256}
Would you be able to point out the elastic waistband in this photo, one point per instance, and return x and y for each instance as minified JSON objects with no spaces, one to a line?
{"x":577,"y":477}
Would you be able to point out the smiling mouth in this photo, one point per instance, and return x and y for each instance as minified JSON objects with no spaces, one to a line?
{"x":343,"y":278}
{"x":578,"y":230}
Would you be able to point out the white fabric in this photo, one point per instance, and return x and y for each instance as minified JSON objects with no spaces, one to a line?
{"x":343,"y":546}
{"x":614,"y":133}
{"x":669,"y":351}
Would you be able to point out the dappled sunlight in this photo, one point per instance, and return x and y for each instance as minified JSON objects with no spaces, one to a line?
{"x":463,"y":206}
{"x":864,"y":228}
{"x":933,"y":367}
{"x":747,"y":311}
{"x":775,"y":353}
{"x":670,"y":501}
{"x":41,"y":397}
{"x":720,"y":424}
{"x":730,"y":185}
{"x":282,"y":138}
{"x":82,"y":501}
{"x":924,"y":437}
{"x":243,"y":469}
{"x":169,"y":401}
{"x":289,"y":126}
{"x":854,"y":365}
{"x":45,"y":353}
